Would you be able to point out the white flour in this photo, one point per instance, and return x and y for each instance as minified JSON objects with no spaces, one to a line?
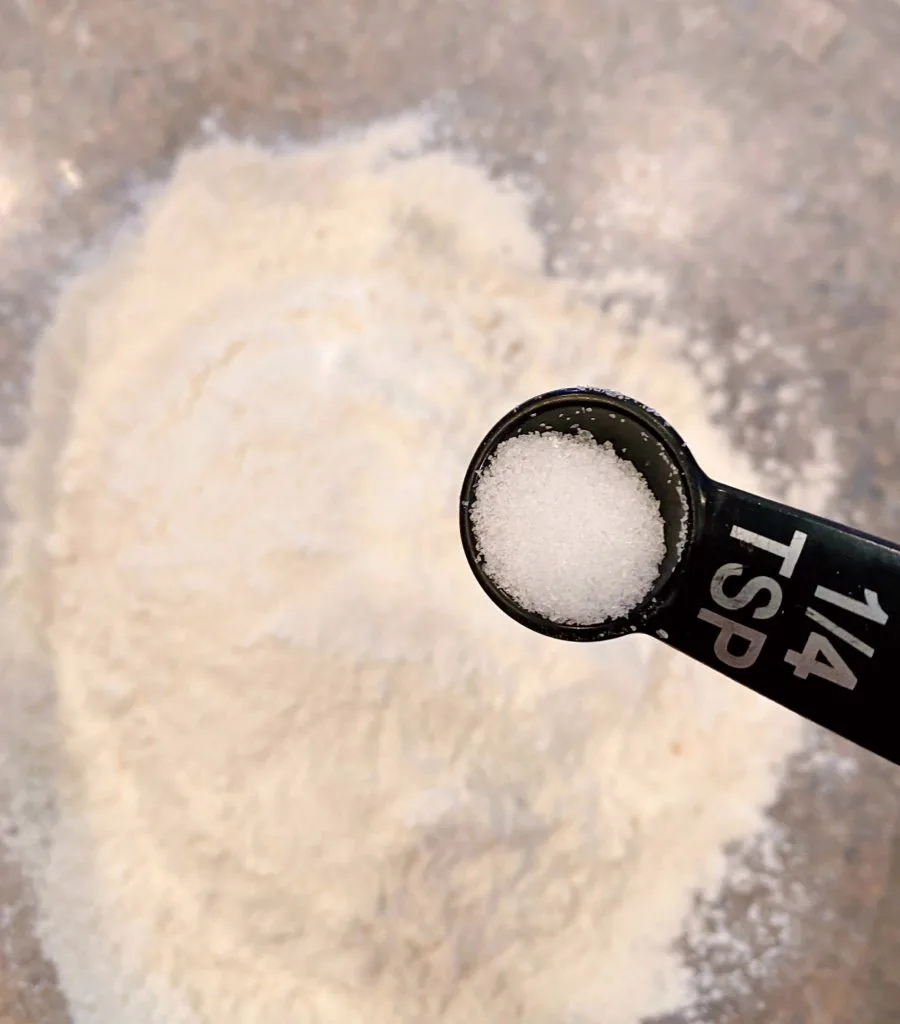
{"x":280,"y":759}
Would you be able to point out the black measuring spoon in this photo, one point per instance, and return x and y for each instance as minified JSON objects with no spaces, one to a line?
{"x":802,"y":610}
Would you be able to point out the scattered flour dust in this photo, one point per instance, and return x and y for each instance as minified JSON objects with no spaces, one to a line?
{"x":279,"y":759}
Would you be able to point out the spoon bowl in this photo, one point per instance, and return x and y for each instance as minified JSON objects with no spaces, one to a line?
{"x":637,"y":434}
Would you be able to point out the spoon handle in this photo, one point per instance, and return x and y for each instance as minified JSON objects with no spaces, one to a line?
{"x":800,"y":609}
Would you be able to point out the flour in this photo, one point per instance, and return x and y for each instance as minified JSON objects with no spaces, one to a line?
{"x":279,"y":758}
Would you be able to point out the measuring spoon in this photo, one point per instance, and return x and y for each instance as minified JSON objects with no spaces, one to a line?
{"x":798,"y":608}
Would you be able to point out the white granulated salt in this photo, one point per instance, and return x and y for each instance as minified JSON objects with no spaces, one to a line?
{"x":273,"y":755}
{"x":569,"y":529}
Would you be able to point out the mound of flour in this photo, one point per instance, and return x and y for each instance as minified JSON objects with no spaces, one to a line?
{"x":279,"y":758}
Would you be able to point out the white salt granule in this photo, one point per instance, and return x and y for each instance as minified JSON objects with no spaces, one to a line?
{"x":568,"y":528}
{"x":274,"y":756}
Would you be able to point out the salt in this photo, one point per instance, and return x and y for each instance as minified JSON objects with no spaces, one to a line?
{"x":568,"y":528}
